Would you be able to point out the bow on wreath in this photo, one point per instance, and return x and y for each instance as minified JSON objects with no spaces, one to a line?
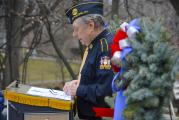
{"x":120,"y":48}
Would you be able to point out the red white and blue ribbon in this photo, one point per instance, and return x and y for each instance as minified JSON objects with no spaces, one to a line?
{"x":118,"y":59}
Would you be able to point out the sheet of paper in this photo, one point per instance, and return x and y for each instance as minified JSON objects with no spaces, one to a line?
{"x":48,"y":93}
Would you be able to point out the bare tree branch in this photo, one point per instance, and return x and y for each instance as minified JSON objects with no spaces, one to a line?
{"x":127,"y":8}
{"x":60,"y":54}
{"x":29,"y":29}
{"x":55,"y":4}
{"x":35,"y":42}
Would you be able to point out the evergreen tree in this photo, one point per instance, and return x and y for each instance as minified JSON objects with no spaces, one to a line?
{"x":151,"y":70}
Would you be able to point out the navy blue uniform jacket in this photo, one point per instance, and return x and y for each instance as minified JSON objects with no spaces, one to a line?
{"x":96,"y":76}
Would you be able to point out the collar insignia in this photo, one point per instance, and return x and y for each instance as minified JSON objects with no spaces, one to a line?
{"x":74,"y":12}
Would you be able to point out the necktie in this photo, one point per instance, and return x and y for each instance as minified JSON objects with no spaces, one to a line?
{"x":82,"y":64}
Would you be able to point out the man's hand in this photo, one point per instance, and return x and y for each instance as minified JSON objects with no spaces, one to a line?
{"x":70,"y":88}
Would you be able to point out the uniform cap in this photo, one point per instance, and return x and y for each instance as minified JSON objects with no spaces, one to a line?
{"x":84,"y":8}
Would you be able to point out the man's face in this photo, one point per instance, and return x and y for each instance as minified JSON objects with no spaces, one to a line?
{"x":82,"y":31}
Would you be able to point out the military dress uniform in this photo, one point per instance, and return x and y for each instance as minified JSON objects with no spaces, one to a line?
{"x":96,"y":75}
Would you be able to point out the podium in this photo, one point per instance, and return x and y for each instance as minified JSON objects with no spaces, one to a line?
{"x":23,"y":106}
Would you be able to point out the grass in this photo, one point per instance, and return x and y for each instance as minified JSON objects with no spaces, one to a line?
{"x":47,"y":70}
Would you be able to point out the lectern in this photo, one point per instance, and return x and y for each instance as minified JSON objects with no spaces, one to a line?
{"x":24,"y":106}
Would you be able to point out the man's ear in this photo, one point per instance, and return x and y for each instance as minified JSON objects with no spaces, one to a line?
{"x":92,"y":25}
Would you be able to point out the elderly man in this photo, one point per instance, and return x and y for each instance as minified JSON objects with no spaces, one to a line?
{"x":95,"y":77}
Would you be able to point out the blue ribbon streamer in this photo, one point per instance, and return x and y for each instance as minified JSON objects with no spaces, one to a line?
{"x":120,"y":104}
{"x":134,"y":23}
{"x":1,"y":101}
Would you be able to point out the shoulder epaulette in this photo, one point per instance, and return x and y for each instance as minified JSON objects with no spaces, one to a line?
{"x":104,"y":44}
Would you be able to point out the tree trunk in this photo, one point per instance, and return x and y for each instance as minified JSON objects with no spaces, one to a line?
{"x":115,"y":7}
{"x":175,"y":4}
{"x":13,"y":38}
